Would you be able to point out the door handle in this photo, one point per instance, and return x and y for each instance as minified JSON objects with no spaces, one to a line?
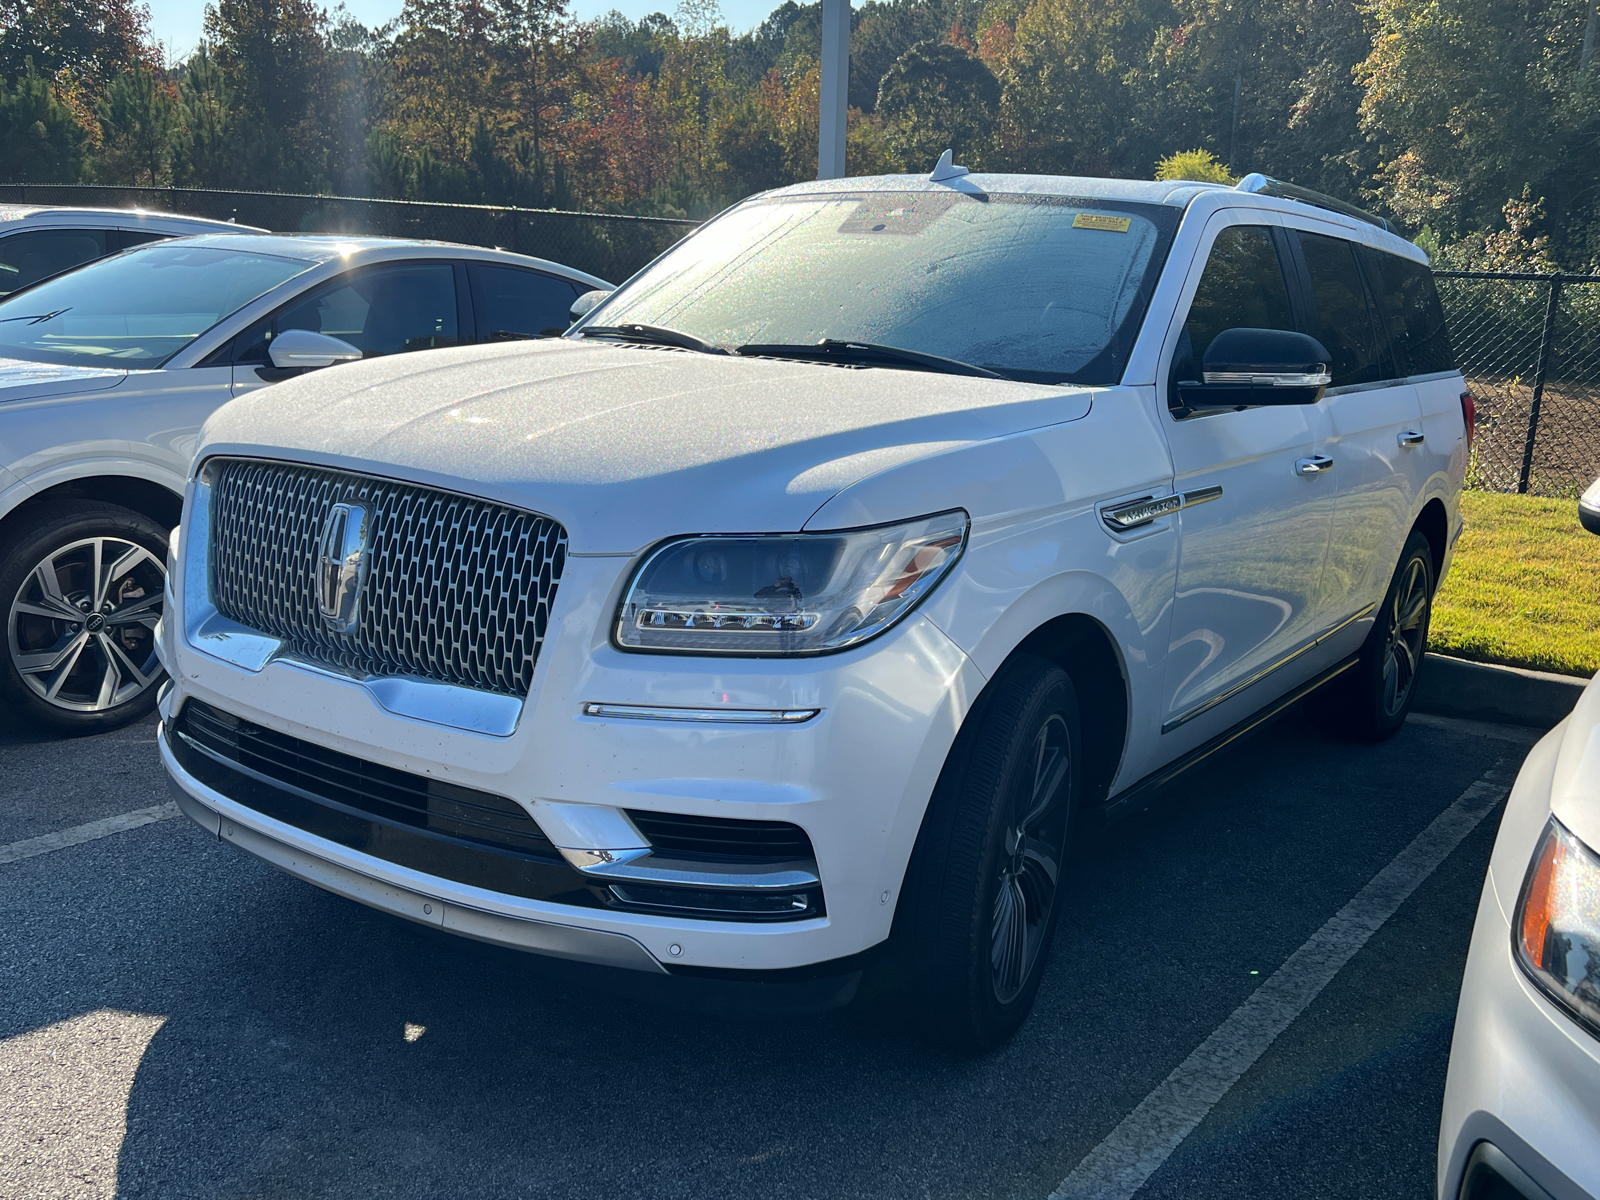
{"x":1317,"y":464}
{"x":1410,"y":437}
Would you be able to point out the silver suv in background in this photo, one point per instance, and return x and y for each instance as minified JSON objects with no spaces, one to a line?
{"x":38,"y":242}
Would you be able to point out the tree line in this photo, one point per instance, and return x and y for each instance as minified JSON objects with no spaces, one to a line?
{"x":1474,"y":124}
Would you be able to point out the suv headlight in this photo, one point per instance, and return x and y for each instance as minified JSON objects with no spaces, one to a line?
{"x":794,"y":593}
{"x":1556,"y":932}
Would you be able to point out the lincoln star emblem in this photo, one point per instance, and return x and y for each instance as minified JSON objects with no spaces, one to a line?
{"x":342,"y":565}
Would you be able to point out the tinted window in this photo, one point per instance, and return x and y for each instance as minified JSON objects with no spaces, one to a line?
{"x":137,"y":308}
{"x":29,"y":257}
{"x":1340,"y":319}
{"x":386,"y":310}
{"x":514,"y":304}
{"x":1046,"y":288}
{"x":1414,"y":315}
{"x":1242,"y":287}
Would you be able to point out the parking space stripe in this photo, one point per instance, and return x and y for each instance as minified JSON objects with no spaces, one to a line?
{"x":1133,"y":1151}
{"x":92,"y":831}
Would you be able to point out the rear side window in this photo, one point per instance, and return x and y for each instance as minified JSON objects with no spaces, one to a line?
{"x":512,"y":304}
{"x":1409,"y":303}
{"x":1242,"y":287}
{"x":26,"y":258}
{"x":1341,"y":319}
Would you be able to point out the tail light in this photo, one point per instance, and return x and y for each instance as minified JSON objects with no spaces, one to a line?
{"x":1469,"y":416}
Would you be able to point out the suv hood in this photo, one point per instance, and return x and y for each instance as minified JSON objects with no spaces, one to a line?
{"x":626,"y":445}
{"x":21,"y":379}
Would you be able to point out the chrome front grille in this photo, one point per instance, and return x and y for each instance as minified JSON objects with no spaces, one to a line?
{"x":457,"y":589}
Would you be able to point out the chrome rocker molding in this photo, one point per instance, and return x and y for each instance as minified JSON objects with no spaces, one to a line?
{"x":1207,"y":705}
{"x":709,"y":716}
{"x":211,"y":633}
{"x":1137,"y":796}
{"x":208,"y":809}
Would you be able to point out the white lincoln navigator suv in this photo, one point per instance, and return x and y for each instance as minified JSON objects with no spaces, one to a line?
{"x":794,"y":613}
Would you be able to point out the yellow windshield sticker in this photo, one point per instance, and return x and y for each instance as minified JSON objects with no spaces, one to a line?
{"x":1101,"y":221}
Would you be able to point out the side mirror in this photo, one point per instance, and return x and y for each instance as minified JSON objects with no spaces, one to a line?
{"x":302,"y":348}
{"x":1258,"y":366}
{"x":1589,"y":508}
{"x":587,"y":303}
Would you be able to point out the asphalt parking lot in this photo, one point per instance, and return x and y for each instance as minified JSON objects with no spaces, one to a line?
{"x":179,"y":1020}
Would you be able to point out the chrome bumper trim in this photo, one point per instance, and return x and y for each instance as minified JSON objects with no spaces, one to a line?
{"x":709,"y":716}
{"x":200,"y":804}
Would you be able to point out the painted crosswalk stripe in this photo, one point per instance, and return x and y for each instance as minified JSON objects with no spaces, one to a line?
{"x":1133,"y":1151}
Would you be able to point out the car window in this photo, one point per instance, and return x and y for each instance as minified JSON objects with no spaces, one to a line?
{"x":1410,"y":302}
{"x":1242,"y":287}
{"x":137,"y":308}
{"x":513,"y":303}
{"x":26,"y":258}
{"x":1340,"y":319}
{"x":381,"y":310}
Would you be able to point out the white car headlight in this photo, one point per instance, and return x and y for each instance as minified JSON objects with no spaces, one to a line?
{"x":794,"y":593}
{"x":1556,"y":932}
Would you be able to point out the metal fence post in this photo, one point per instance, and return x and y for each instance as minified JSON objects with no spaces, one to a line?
{"x":1546,"y":347}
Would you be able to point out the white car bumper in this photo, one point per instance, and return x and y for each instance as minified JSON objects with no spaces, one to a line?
{"x":1523,"y":1092}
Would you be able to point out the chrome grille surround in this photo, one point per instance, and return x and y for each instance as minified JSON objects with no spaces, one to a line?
{"x":458,"y":589}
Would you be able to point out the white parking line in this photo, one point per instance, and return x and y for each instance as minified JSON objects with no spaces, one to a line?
{"x":45,"y":843}
{"x":1133,"y":1151}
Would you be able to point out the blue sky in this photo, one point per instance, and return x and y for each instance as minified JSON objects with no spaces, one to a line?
{"x":176,"y":23}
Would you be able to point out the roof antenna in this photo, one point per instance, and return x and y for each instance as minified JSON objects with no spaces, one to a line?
{"x":945,"y":169}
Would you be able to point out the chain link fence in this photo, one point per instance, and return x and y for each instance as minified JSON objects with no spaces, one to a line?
{"x":604,"y":244}
{"x":1529,"y":346}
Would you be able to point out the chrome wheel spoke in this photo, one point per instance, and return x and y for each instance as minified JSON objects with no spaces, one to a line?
{"x":144,"y":612}
{"x":116,"y":654}
{"x":46,"y":661}
{"x":50,"y":592}
{"x":1009,"y":940}
{"x":27,"y":608}
{"x":1416,"y":606}
{"x":109,"y":678}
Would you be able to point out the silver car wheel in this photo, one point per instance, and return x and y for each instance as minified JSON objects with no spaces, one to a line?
{"x":1031,"y":863}
{"x":1408,"y":625}
{"x":81,"y":628}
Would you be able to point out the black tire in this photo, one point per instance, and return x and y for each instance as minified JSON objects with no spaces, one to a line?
{"x":112,"y":677}
{"x":971,"y":984}
{"x":1370,"y":701}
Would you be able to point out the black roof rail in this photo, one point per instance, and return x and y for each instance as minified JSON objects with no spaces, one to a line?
{"x":1265,"y":185}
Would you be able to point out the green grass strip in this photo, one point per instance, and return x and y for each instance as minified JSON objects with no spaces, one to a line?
{"x":1524,"y":589}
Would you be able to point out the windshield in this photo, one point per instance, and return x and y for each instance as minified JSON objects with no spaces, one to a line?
{"x":1041,"y":288}
{"x":137,"y":309}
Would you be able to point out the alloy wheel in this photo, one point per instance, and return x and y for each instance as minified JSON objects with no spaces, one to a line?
{"x":1030,"y":865}
{"x":1408,"y":625}
{"x":81,"y":628}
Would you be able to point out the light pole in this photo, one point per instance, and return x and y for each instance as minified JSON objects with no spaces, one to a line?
{"x":835,"y":88}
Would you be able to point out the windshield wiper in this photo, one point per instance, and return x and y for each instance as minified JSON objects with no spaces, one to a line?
{"x":36,"y":318}
{"x":652,"y":335}
{"x":866,"y":354}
